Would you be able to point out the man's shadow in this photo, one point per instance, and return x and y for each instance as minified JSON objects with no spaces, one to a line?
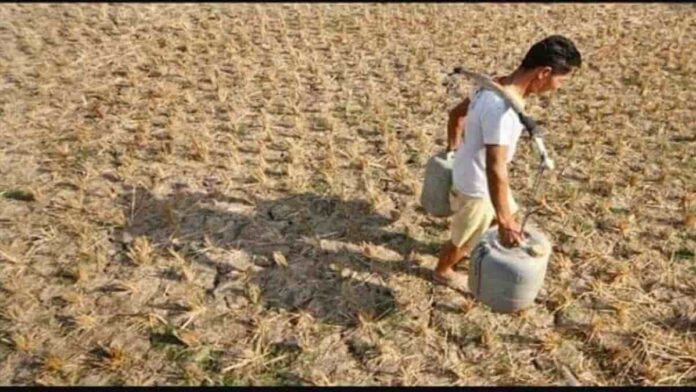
{"x":326,"y":256}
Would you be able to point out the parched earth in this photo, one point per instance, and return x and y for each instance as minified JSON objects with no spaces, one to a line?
{"x":227,"y":194}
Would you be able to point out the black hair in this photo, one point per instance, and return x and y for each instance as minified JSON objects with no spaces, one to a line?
{"x":555,"y":51}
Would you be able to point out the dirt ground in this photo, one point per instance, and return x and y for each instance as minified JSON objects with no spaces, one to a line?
{"x":227,"y":194}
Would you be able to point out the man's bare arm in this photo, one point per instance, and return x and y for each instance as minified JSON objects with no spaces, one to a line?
{"x":498,"y":187}
{"x":455,"y":125}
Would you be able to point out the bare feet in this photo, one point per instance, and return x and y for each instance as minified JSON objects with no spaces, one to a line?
{"x":452,"y":280}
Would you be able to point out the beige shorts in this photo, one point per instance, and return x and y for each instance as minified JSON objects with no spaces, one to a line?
{"x":472,"y":217}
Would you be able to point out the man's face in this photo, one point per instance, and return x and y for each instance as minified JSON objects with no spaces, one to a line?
{"x":558,"y":79}
{"x":545,"y":80}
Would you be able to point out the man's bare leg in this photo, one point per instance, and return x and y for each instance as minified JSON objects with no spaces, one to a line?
{"x":449,"y":256}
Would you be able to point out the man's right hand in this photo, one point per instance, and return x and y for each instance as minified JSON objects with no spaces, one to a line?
{"x":509,"y":233}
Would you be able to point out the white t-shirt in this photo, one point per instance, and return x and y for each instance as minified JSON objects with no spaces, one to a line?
{"x":489,"y":120}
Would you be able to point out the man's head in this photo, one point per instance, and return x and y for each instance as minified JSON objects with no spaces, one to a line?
{"x":549,"y":62}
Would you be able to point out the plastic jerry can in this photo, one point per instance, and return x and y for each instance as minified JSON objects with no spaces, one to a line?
{"x":508,"y":279}
{"x":437,"y":185}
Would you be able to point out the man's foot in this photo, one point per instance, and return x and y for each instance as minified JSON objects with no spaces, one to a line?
{"x":453,"y":280}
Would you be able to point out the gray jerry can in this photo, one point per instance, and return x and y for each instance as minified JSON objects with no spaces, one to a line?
{"x":437,"y":185}
{"x":508,"y":279}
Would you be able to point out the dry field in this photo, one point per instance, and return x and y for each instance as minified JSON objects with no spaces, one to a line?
{"x":227,"y":194}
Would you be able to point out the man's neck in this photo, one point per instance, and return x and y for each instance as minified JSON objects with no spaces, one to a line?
{"x":519,"y":81}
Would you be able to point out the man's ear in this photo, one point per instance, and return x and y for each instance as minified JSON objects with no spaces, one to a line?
{"x":544,"y":72}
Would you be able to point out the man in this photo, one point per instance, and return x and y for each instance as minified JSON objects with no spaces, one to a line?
{"x":481,"y":195}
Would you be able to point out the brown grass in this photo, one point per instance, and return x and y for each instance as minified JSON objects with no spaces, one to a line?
{"x":227,"y":194}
